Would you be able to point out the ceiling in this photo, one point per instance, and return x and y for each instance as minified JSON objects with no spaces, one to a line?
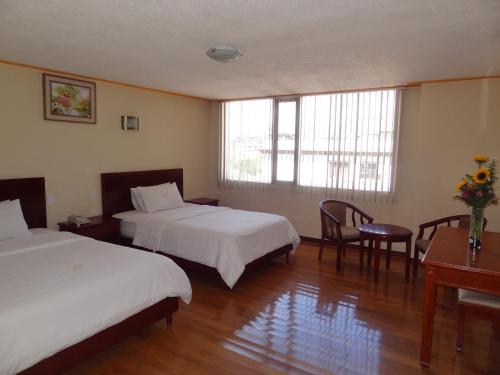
{"x":289,"y":46}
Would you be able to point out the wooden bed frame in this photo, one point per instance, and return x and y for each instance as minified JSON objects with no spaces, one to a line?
{"x":31,"y":193}
{"x":115,"y":189}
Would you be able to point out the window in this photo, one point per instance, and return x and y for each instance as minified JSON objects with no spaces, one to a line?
{"x":369,"y":170}
{"x":338,"y":168}
{"x":248,"y":140}
{"x":285,"y":141}
{"x":344,"y":141}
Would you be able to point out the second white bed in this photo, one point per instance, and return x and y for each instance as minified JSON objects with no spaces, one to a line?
{"x":219,"y":237}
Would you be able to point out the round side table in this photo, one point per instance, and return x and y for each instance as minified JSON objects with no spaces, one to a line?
{"x":387,"y":233}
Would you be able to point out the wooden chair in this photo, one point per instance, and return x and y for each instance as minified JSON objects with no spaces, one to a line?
{"x":480,"y":305}
{"x":334,"y":228}
{"x":421,"y":244}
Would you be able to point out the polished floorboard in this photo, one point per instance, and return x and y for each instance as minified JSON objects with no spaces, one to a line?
{"x":304,"y":318}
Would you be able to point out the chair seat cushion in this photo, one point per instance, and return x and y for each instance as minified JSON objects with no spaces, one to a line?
{"x":476,"y":298}
{"x":422,"y":245}
{"x":348,"y":233}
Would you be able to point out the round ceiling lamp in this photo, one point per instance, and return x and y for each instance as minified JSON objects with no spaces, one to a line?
{"x":224,"y":54}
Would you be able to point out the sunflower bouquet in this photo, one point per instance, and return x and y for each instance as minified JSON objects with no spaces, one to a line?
{"x":477,"y":191}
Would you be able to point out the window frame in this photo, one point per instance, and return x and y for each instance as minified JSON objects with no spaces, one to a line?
{"x":274,"y":143}
{"x":275,"y":133}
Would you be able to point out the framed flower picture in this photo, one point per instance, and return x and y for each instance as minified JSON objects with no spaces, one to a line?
{"x":68,"y":99}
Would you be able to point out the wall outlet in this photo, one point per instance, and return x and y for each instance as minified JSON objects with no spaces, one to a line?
{"x":93,"y":197}
{"x":50,"y":199}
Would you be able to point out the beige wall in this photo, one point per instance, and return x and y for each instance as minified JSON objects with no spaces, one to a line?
{"x":442,"y":127}
{"x":71,"y":156}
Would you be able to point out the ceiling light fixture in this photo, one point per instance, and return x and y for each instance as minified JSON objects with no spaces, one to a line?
{"x":224,"y":54}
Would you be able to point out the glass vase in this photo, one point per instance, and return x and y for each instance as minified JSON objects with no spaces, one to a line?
{"x":476,"y":227}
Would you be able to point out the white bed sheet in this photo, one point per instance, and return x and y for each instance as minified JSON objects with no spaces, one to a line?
{"x":37,"y":231}
{"x":58,"y":288}
{"x":219,"y":237}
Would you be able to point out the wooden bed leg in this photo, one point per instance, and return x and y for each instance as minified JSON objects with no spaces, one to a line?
{"x":168,"y":320}
{"x":287,"y":258}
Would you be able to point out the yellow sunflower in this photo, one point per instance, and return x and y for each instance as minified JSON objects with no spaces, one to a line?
{"x":481,"y":158}
{"x":481,"y":176}
{"x":461,"y":184}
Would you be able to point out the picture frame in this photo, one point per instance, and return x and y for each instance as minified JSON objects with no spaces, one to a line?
{"x":68,"y":99}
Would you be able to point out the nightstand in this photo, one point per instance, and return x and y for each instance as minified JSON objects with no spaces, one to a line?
{"x":102,"y":228}
{"x":205,"y":201}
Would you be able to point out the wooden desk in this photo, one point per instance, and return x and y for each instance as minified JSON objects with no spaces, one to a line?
{"x":449,"y":262}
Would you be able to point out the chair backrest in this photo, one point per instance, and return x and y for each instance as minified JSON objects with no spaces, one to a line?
{"x":460,"y":221}
{"x":464,"y":221}
{"x":336,"y":209}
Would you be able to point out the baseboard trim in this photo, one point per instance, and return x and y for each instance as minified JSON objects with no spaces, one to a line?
{"x":351,"y":246}
{"x":310,"y":239}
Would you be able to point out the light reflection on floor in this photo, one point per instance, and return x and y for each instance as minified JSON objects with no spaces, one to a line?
{"x":299,"y":332}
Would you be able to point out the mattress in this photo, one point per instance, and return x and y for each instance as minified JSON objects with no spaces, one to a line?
{"x":127,"y":228}
{"x":58,"y":288}
{"x":219,"y":237}
{"x":129,"y":220}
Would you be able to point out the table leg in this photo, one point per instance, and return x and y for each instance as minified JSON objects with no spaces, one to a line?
{"x":428,"y":318}
{"x":496,"y":327}
{"x":377,"y":259}
{"x":370,"y":251}
{"x":460,"y":328}
{"x":388,"y":256}
{"x":408,"y":260}
{"x":416,"y":261}
{"x":361,"y":254}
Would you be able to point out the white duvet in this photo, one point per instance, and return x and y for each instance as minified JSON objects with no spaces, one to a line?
{"x":219,"y":237}
{"x":58,"y":288}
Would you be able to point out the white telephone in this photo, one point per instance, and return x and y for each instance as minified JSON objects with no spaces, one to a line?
{"x":78,"y":220}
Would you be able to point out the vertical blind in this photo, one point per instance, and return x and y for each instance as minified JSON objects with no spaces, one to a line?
{"x":347,"y":143}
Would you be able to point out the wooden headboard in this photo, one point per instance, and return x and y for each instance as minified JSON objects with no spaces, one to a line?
{"x":31,"y":193}
{"x":115,"y":187}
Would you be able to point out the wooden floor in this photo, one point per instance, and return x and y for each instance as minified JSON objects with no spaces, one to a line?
{"x":304,"y":317}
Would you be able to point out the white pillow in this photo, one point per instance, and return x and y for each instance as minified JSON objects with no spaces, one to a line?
{"x":12,"y":223}
{"x":175,"y":196}
{"x":160,"y":197}
{"x":137,"y":200}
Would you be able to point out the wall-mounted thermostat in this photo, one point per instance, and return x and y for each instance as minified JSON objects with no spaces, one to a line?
{"x":130,"y":123}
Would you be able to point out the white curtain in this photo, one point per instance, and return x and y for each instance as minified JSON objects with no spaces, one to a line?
{"x":348,"y":144}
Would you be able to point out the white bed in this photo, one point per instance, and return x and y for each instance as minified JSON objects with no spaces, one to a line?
{"x":58,"y":288}
{"x":219,"y":237}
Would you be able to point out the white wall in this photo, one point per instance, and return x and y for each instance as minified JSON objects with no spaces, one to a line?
{"x":442,"y":126}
